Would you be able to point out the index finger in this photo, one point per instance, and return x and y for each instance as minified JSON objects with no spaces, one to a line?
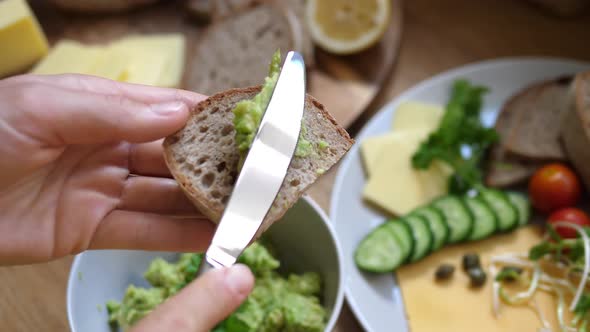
{"x":137,"y":92}
{"x":148,"y":159}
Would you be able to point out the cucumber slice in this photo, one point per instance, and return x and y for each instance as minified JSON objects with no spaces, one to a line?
{"x":456,"y":216}
{"x":404,"y":236}
{"x":421,"y":235}
{"x":380,"y":251}
{"x":484,"y":219}
{"x":506,"y":213}
{"x":436,"y":222}
{"x":523,"y":206}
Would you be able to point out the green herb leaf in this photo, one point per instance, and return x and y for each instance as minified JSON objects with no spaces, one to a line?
{"x":460,"y":129}
{"x":553,"y":233}
{"x":540,"y":250}
{"x":583,"y":305}
{"x":509,"y":273}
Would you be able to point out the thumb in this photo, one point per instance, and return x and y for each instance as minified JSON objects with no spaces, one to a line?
{"x":202,"y":304}
{"x":60,"y":116}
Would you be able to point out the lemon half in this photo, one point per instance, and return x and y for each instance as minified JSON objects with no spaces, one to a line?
{"x":347,"y":26}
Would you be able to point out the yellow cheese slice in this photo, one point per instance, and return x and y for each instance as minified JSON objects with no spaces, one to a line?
{"x":412,"y":115}
{"x":435,"y":181}
{"x":144,"y":66}
{"x":394,"y":185}
{"x":372,"y":147}
{"x":146,"y":70}
{"x":409,"y":116}
{"x":172,"y":46}
{"x":22,"y":39}
{"x":454,"y":306}
{"x":111,"y":64}
{"x":68,"y":56}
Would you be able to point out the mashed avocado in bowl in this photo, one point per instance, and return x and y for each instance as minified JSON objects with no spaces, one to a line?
{"x":278,"y":302}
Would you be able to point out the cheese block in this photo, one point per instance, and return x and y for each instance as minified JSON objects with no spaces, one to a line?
{"x":173,"y":46}
{"x":413,"y":115}
{"x":147,"y":69}
{"x":372,"y":147}
{"x":21,"y":36}
{"x":394,"y":185}
{"x":145,"y":65}
{"x":68,"y":56}
{"x":150,"y":59}
{"x":454,"y":306}
{"x":111,"y":64}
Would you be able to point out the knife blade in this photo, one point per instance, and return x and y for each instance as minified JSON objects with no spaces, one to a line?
{"x":264,"y":168}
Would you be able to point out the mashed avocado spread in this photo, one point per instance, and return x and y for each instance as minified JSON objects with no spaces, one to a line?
{"x":278,"y":303}
{"x":248,"y":113}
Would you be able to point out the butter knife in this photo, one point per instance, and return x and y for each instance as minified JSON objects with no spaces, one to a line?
{"x":264,"y":168}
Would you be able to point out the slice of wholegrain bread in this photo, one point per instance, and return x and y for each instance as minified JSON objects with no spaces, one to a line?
{"x":575,"y":127}
{"x":506,"y":170}
{"x":203,"y":156}
{"x":503,"y":168}
{"x":234,"y":52}
{"x":539,"y":108}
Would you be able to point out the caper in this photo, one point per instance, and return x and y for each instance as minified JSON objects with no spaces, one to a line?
{"x":444,"y":272}
{"x":470,"y":261}
{"x":477,"y":277}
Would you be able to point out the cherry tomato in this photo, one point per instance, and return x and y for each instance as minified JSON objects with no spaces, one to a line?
{"x":554,"y":186}
{"x":571,"y":215}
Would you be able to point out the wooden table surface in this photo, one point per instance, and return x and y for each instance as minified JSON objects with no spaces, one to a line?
{"x":438,"y":35}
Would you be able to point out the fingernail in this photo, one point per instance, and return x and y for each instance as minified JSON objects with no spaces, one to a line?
{"x":168,"y":108}
{"x":240,"y":279}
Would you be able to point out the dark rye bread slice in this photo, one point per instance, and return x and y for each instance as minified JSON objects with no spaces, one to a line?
{"x":504,"y":169}
{"x":539,"y":109}
{"x":234,"y":52}
{"x":575,"y":127}
{"x":203,"y":156}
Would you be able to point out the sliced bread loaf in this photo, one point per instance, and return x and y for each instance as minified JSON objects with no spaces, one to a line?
{"x":234,"y":52}
{"x":100,"y":6}
{"x":215,"y":10}
{"x":575,"y":127}
{"x":503,"y":169}
{"x":538,"y":108}
{"x":203,"y":156}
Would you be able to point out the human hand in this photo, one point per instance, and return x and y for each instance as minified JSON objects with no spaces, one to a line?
{"x":70,"y":147}
{"x":202,"y":304}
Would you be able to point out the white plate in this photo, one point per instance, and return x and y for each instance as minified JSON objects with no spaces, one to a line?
{"x":376,"y":300}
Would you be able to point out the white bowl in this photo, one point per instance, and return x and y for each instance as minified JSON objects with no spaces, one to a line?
{"x":304,"y":239}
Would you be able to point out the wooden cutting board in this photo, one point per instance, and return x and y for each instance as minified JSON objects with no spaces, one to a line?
{"x":347,"y":85}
